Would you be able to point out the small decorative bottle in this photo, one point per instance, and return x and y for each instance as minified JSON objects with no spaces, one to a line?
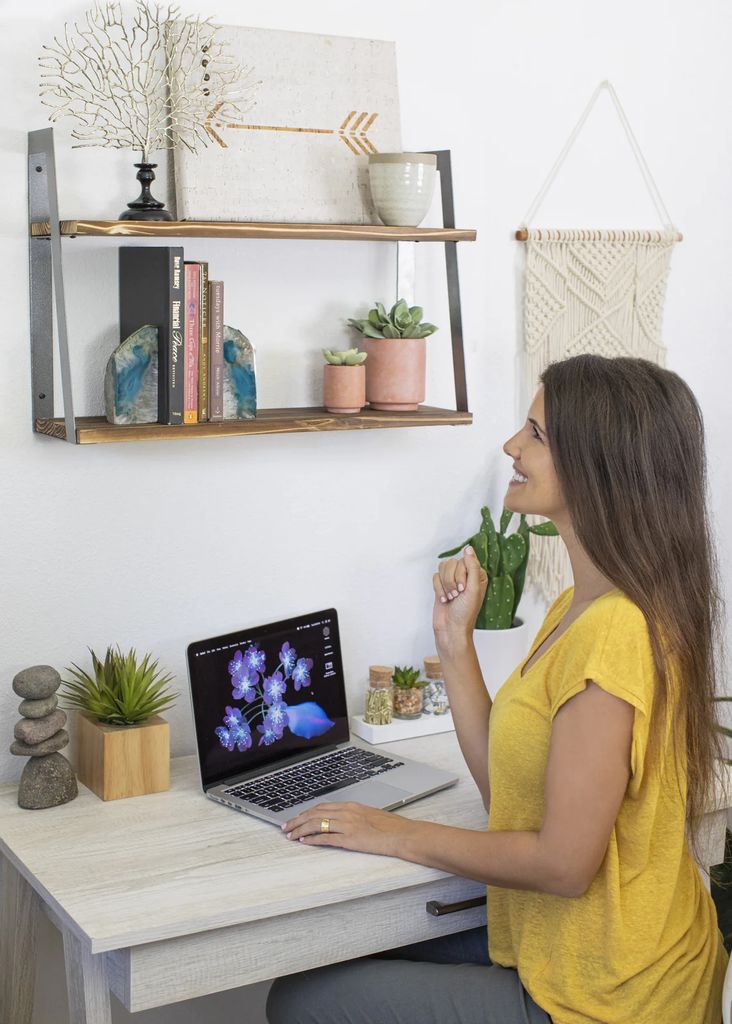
{"x":408,"y":693}
{"x":379,"y":699}
{"x":435,"y":693}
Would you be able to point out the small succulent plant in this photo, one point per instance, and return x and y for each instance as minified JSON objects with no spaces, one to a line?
{"x":408,"y":678}
{"x":402,"y":321}
{"x":351,"y":357}
{"x":504,"y":559}
{"x":120,"y":691}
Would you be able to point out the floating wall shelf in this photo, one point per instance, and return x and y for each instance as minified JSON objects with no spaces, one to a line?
{"x":47,"y":231}
{"x":236,"y":229}
{"x":96,"y":430}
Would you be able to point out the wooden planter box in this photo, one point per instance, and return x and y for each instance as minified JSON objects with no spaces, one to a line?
{"x":117,"y":761}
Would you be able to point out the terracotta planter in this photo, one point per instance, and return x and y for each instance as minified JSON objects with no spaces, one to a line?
{"x":117,"y":761}
{"x":344,"y":388}
{"x":395,"y":373}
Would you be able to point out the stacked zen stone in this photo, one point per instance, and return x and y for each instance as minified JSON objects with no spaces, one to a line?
{"x":48,"y":779}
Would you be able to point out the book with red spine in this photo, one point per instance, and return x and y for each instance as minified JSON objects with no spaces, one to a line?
{"x":192,"y":341}
{"x":216,"y":349}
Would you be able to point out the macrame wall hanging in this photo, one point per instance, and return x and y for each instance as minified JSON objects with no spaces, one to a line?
{"x":594,"y":291}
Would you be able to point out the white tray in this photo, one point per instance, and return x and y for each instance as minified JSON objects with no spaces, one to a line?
{"x":402,"y":728}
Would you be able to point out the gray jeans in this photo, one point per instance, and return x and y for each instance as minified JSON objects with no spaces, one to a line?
{"x":403,"y":986}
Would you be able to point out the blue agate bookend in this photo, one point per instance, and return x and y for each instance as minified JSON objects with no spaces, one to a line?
{"x":131,"y":379}
{"x":240,"y":378}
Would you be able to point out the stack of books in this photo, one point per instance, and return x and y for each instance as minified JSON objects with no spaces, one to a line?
{"x":158,"y":287}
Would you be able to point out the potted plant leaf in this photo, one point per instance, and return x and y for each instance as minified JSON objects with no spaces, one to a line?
{"x":501,"y":639}
{"x":394,"y":342}
{"x":344,"y":381}
{"x":122,"y":743}
{"x":407,"y":692}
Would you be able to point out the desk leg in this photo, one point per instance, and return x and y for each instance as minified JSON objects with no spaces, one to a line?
{"x":86,"y":980}
{"x":18,"y":912}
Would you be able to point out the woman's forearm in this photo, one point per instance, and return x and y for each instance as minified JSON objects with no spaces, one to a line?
{"x":511,"y":860}
{"x":470,"y":705}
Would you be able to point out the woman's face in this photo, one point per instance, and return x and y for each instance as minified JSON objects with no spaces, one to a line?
{"x":534,"y":488}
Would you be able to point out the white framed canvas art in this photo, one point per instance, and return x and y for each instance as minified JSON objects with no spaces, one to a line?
{"x":300,"y":154}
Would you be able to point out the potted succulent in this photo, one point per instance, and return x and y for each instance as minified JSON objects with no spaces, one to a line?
{"x":122,"y":743}
{"x":394,"y":341}
{"x":407,"y":692}
{"x":501,"y":639}
{"x":344,"y":381}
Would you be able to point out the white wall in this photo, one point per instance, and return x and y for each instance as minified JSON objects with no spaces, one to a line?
{"x":279,"y":525}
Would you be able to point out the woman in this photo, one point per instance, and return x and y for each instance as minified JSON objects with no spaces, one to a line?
{"x":597,"y":751}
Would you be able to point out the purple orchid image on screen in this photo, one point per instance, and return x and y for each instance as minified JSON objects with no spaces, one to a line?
{"x":264,"y":695}
{"x":274,"y":687}
{"x":301,"y":672}
{"x":244,"y":678}
{"x":288,"y":657}
{"x":235,"y":731}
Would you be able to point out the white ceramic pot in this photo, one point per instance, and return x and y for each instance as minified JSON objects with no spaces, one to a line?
{"x":401,"y":186}
{"x":500,"y":651}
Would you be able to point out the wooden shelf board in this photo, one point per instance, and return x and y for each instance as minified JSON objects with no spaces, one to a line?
{"x":96,"y":430}
{"x":223,"y":229}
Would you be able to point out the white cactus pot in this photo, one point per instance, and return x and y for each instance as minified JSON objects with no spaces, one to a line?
{"x":500,"y":651}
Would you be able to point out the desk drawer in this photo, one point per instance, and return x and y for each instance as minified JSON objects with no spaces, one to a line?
{"x":167,"y":972}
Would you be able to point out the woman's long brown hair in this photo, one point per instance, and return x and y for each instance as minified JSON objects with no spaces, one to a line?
{"x":627,"y":440}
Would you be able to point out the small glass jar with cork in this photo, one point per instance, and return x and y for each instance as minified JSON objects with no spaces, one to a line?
{"x":435,"y":693}
{"x":407,"y":692}
{"x":379,"y":704}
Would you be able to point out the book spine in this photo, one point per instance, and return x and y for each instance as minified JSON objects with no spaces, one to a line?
{"x":192,"y":319}
{"x":216,"y":345}
{"x":203,"y":348}
{"x":151,"y":293}
{"x":171,"y":348}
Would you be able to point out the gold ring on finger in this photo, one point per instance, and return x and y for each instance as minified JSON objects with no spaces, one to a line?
{"x":325,"y":825}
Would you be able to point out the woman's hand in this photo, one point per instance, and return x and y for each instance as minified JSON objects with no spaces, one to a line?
{"x":351,"y":826}
{"x":460,"y":587}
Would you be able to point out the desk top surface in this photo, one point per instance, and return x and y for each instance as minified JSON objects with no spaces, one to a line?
{"x":126,"y":872}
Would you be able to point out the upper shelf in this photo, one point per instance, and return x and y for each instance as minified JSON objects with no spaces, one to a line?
{"x":233,"y":229}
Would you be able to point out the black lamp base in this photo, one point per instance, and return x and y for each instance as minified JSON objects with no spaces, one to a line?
{"x":145,"y":207}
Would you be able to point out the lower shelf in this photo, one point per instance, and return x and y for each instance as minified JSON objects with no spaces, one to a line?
{"x":96,"y":430}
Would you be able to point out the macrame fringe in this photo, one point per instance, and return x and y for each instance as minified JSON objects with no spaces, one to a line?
{"x":589,"y":291}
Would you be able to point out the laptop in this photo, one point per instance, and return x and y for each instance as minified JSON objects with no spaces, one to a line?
{"x":269,"y":706}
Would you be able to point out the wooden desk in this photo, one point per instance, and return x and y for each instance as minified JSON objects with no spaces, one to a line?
{"x":165,"y":897}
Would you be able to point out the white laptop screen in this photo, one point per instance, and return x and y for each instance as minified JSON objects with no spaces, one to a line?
{"x":265,"y":695}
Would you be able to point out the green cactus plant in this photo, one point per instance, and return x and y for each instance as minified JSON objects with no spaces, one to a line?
{"x":402,"y":321}
{"x":408,"y":678}
{"x":504,"y":558}
{"x":350,"y":357}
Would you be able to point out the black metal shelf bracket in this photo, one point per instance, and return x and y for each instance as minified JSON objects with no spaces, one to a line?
{"x":46,"y":279}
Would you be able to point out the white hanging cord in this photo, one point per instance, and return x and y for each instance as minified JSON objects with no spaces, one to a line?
{"x":644,"y":169}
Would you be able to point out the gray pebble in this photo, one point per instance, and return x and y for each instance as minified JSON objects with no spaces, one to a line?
{"x":38,"y":708}
{"x":35,"y":730}
{"x":56,"y":742}
{"x":47,"y":782}
{"x":37,"y":682}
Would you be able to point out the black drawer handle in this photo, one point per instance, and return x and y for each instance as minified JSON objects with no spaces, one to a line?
{"x":437,"y":909}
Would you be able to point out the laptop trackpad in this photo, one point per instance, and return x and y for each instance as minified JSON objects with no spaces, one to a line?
{"x":376,"y":794}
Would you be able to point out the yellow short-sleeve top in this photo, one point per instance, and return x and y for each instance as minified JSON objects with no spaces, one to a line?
{"x":642,"y":945}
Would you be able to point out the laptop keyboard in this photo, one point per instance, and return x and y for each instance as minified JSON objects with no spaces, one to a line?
{"x":311,"y":780}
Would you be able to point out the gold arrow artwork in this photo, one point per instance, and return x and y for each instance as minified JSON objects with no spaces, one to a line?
{"x":353,"y":133}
